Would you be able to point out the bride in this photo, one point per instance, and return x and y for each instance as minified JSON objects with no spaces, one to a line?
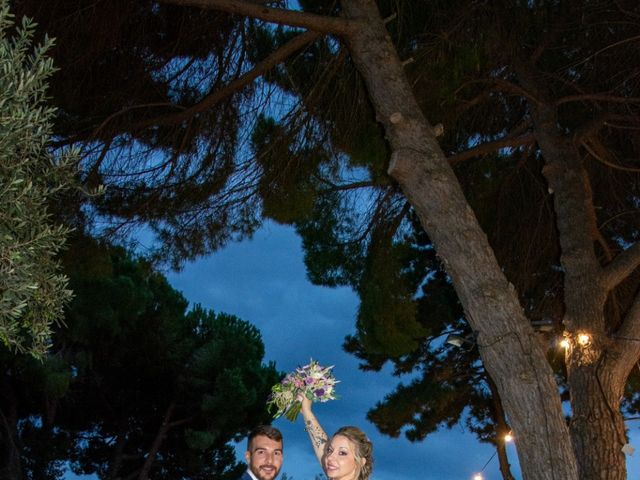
{"x":347,"y":455}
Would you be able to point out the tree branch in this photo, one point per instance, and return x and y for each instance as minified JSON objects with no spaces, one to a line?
{"x":591,"y":127}
{"x":213,"y":98}
{"x":601,"y":97}
{"x":157,"y":442}
{"x":595,"y":54}
{"x":626,"y":341}
{"x":281,"y":16}
{"x":601,"y":154}
{"x":347,"y":186}
{"x":502,"y":85}
{"x":621,"y":267}
{"x":490,"y":147}
{"x":178,"y":423}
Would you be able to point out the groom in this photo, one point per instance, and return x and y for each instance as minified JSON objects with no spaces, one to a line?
{"x":264,"y":454}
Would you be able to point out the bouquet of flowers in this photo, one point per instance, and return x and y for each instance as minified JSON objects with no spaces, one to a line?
{"x":312,"y":380}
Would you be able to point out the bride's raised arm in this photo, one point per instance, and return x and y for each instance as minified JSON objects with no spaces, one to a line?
{"x":317,"y":435}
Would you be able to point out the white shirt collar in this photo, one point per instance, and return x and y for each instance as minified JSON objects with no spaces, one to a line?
{"x":251,"y":474}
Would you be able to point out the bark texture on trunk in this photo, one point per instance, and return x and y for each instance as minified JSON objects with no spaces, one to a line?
{"x":597,"y":427}
{"x":595,"y":382}
{"x":507,"y":344}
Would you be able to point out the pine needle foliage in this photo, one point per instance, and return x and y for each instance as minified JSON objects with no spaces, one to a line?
{"x":32,"y":290}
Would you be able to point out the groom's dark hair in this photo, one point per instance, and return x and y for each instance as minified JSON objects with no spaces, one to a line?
{"x":265,"y":430}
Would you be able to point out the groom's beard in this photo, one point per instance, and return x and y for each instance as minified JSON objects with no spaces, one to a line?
{"x":266,"y":472}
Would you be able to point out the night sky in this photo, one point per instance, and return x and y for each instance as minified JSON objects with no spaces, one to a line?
{"x":264,"y":282}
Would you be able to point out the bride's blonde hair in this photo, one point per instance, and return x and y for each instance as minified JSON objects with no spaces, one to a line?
{"x":363,"y":449}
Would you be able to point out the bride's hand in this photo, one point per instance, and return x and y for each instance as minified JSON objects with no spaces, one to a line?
{"x":305,"y":402}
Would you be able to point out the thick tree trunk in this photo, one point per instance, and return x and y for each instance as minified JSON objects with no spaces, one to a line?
{"x":595,"y":384}
{"x":506,"y":341}
{"x":597,"y":427}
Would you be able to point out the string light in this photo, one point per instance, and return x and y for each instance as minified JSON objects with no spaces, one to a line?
{"x":584,"y":339}
{"x":508,"y":437}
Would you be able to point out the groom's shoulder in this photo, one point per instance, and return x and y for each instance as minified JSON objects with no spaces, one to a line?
{"x":245,"y":476}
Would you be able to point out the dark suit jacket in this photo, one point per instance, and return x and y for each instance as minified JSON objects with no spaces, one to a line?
{"x":245,"y":476}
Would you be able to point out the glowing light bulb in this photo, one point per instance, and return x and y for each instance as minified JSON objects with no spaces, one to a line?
{"x":565,"y":343}
{"x":508,"y":437}
{"x":478,"y":476}
{"x":584,"y":339}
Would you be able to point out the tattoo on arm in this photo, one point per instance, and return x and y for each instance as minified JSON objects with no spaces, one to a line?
{"x":318,"y":437}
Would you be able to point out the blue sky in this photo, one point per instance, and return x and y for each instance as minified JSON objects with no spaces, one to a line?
{"x":263,"y":280}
